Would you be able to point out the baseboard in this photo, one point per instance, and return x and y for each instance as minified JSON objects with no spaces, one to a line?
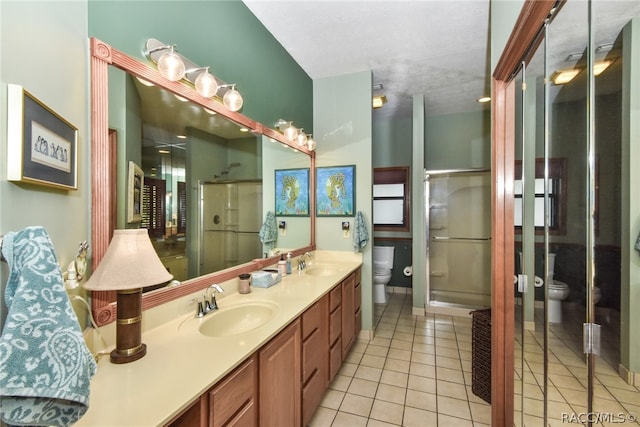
{"x":630,"y":377}
{"x":399,"y":290}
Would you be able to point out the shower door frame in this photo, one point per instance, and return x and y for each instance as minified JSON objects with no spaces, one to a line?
{"x":441,"y":308}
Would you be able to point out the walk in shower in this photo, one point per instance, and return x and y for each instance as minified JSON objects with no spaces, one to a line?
{"x":458,"y":220}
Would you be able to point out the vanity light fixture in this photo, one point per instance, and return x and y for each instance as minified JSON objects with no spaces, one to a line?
{"x":294,"y":134}
{"x":311,"y":143}
{"x":175,"y":67}
{"x":130,"y":264}
{"x":301,"y":138}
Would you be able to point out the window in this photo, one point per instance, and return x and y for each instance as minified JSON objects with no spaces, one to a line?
{"x":557,"y":196}
{"x":391,"y":199}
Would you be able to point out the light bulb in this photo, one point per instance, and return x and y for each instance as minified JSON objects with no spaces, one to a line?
{"x":290,"y":132}
{"x":170,"y":66}
{"x":311,"y":143}
{"x":301,"y":138}
{"x":206,"y":84}
{"x":232,"y":99}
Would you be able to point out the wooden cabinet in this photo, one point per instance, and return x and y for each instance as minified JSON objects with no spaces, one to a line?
{"x":233,"y":401}
{"x":348,"y":310}
{"x":194,"y":416}
{"x":335,"y":331}
{"x":280,"y":378}
{"x":315,"y":352}
{"x":357,"y":298}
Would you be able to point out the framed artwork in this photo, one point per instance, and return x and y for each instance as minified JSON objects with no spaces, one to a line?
{"x":134,"y":193}
{"x":335,"y":190}
{"x":41,"y":145}
{"x":292,"y":192}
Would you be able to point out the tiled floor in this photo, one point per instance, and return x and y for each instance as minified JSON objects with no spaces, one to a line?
{"x":417,"y":372}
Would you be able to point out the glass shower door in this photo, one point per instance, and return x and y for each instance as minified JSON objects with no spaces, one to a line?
{"x":459,"y":243}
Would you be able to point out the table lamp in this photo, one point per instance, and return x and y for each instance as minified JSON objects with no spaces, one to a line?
{"x":130,"y":264}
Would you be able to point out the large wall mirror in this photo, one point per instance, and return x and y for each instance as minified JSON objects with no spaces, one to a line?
{"x":208,"y":177}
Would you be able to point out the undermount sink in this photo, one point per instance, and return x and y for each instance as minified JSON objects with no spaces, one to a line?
{"x":237,"y":319}
{"x":322,"y":270}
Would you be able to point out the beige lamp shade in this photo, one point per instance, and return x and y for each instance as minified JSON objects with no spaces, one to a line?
{"x":130,"y":262}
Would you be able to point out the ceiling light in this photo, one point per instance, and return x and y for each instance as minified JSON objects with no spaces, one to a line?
{"x":600,"y":66}
{"x":291,"y":132}
{"x":181,"y":136}
{"x":565,"y":76}
{"x":243,"y":129}
{"x":379,"y":101}
{"x":483,"y":99}
{"x":170,"y":65}
{"x":164,"y":151}
{"x":232,"y":98}
{"x":311,"y":143}
{"x":301,"y":138}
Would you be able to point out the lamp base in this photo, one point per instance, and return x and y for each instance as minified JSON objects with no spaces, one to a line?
{"x":118,"y":357}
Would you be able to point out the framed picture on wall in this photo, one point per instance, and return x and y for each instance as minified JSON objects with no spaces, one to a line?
{"x":335,"y":190}
{"x":41,"y":145}
{"x":134,"y":193}
{"x":292,"y":192}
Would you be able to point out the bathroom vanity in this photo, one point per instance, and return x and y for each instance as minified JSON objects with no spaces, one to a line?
{"x":266,"y":357}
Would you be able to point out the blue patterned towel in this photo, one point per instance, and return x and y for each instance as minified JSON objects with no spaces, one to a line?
{"x":360,"y":232}
{"x":45,"y":366}
{"x":269,"y":231}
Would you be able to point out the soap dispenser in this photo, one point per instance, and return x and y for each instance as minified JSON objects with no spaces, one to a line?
{"x":282,"y":266}
{"x":289,"y":263}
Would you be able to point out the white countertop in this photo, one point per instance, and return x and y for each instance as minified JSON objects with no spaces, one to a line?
{"x":181,"y":364}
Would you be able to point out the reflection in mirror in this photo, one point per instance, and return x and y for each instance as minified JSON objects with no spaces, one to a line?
{"x":233,"y":159}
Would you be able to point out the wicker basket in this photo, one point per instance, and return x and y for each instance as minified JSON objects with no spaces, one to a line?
{"x":481,"y":354}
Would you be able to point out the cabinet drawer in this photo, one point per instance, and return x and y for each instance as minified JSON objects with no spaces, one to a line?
{"x":248,"y":416}
{"x":335,"y":298}
{"x":335,"y":326}
{"x":233,"y":393}
{"x":312,"y":319}
{"x":312,"y":355}
{"x":335,"y":360}
{"x":312,"y":394}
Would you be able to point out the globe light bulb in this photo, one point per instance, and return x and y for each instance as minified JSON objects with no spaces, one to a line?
{"x":170,"y":66}
{"x":291,"y":132}
{"x":232,"y":99}
{"x":206,"y":84}
{"x":311,"y":143}
{"x":301,"y":138}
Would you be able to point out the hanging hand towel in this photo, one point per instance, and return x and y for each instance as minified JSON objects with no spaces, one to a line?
{"x":360,"y":232}
{"x":269,"y":231}
{"x":45,"y":366}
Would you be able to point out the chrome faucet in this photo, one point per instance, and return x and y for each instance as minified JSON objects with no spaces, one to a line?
{"x":207,"y":302}
{"x":302,"y":260}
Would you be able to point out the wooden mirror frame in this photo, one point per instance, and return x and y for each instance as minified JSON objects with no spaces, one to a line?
{"x":103,"y":164}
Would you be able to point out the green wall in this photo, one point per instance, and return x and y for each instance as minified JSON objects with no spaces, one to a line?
{"x":224,"y":35}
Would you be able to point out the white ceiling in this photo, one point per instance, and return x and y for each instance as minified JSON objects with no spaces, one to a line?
{"x":438,"y":48}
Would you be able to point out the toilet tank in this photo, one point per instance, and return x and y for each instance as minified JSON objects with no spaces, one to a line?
{"x":383,"y":257}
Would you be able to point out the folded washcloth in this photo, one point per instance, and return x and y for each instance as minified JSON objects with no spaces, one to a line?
{"x":45,"y":366}
{"x":269,"y":231}
{"x":360,"y":232}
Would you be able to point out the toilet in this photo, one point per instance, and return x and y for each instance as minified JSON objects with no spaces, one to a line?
{"x":382,"y":266}
{"x":557,"y":291}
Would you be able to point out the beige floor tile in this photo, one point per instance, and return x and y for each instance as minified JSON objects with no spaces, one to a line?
{"x":363,"y":387}
{"x":377,"y":423}
{"x":348,"y":369}
{"x":359,"y":347}
{"x":421,"y":400}
{"x":453,"y":375}
{"x":382,"y":342}
{"x":423,"y":339}
{"x":332,"y":399}
{"x":344,"y":419}
{"x":455,"y":390}
{"x":447,"y":352}
{"x":447,"y":420}
{"x":422,"y":370}
{"x":397,"y":365}
{"x":368,"y":373}
{"x":480,"y":413}
{"x":453,"y":407}
{"x":395,"y":353}
{"x":398,"y":379}
{"x":375,"y":350}
{"x":384,"y":333}
{"x":323,"y":417}
{"x":449,"y":335}
{"x":391,"y":393}
{"x":373,"y":361}
{"x":357,"y":405}
{"x":424,"y":348}
{"x":387,"y":412}
{"x":340,"y":383}
{"x":407,"y":330}
{"x":448,"y":362}
{"x":427,"y":385}
{"x":441,"y":342}
{"x":414,"y":417}
{"x":424,"y":358}
{"x":401,"y":344}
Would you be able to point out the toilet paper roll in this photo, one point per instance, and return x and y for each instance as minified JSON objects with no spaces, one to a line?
{"x":408,"y":271}
{"x":538,"y":282}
